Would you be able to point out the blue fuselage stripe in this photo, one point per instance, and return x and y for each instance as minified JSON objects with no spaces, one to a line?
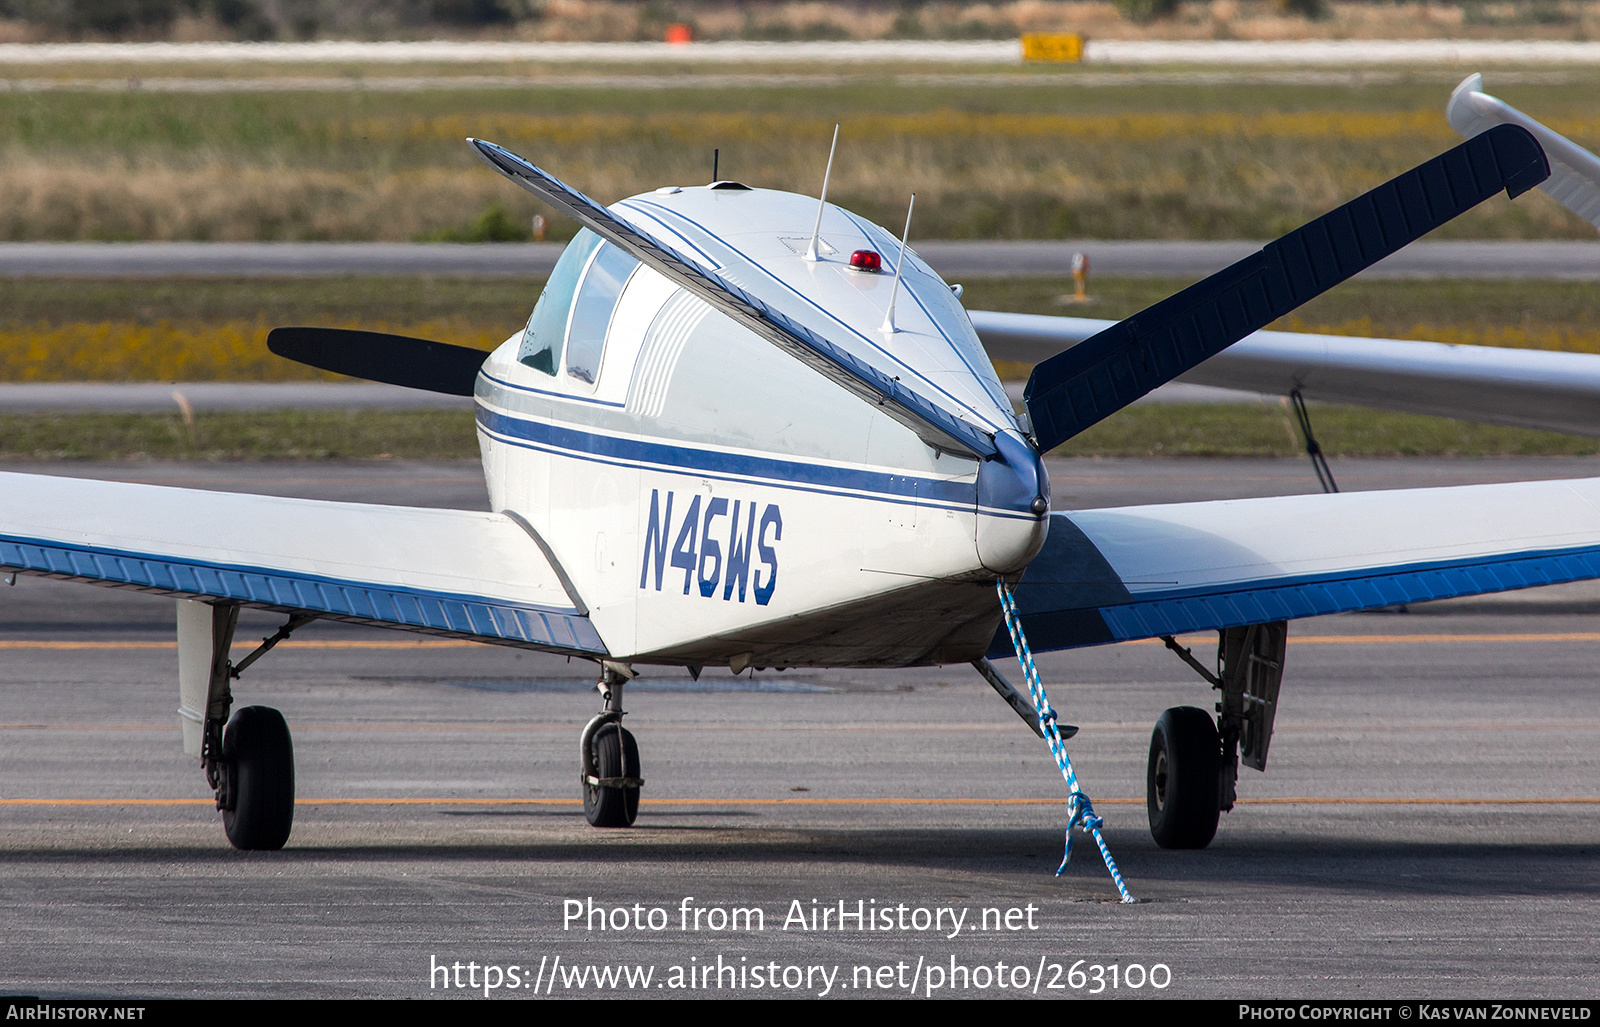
{"x":630,"y":451}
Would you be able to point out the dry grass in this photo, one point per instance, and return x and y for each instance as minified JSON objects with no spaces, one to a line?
{"x":235,"y":350}
{"x":225,"y":200}
{"x":271,"y":435}
{"x":1258,"y":430}
{"x":215,"y":329}
{"x":1037,"y":162}
{"x":1566,"y":338}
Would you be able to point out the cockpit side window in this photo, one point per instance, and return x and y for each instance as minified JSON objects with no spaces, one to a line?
{"x":591,"y":314}
{"x":541,"y":340}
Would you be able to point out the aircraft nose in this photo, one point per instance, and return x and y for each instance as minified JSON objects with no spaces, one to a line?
{"x":1013,"y":504}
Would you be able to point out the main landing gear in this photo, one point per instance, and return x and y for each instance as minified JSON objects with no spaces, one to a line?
{"x":248,"y":756}
{"x":1193,"y":774}
{"x":609,"y":757}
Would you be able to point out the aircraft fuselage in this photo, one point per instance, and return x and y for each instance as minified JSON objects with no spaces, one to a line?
{"x":711,"y":499}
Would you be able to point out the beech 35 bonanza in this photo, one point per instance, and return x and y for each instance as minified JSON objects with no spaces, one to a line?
{"x":746,"y":428}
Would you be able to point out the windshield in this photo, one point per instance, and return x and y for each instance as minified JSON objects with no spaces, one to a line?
{"x":591,"y":314}
{"x":541,"y":340}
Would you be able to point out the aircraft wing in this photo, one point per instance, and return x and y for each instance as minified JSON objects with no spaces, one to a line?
{"x":1146,"y":571}
{"x":1523,"y":388}
{"x":457,"y":573}
{"x":1574,"y":180}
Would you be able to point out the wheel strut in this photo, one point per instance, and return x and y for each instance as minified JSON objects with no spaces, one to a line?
{"x":609,"y":757}
{"x":1193,"y":772}
{"x":247,"y":754}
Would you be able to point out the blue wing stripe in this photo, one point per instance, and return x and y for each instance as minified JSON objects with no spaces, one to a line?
{"x":1064,"y":625}
{"x":475,"y":617}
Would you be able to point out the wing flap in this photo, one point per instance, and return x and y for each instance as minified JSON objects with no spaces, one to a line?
{"x":1141,"y":572}
{"x":451,"y":572}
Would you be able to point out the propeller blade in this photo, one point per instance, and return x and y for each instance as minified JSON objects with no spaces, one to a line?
{"x":379,"y":357}
{"x":1104,"y":373}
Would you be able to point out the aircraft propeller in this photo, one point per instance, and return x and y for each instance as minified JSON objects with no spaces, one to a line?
{"x":380,"y":357}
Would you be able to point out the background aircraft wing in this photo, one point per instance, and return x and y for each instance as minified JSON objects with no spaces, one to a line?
{"x":1574,"y":180}
{"x":1142,"y":572}
{"x":1079,"y":387}
{"x":459,"y":573}
{"x":1522,"y":388}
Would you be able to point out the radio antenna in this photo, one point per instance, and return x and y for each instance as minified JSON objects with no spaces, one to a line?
{"x":822,"y":202}
{"x":899,"y":264}
{"x":714,"y":153}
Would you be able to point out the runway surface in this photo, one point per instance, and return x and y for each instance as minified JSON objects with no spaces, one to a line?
{"x":1294,"y":52}
{"x":1427,"y":827}
{"x":954,"y":260}
{"x":567,"y":81}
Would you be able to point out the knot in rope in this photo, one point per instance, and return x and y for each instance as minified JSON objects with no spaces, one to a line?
{"x":1080,"y":810}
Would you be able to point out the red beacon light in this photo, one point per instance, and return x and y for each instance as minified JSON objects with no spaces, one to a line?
{"x":866,"y":260}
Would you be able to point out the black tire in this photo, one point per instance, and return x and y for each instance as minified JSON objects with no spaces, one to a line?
{"x":616,"y":754}
{"x":260,"y":765}
{"x":1183,"y":785}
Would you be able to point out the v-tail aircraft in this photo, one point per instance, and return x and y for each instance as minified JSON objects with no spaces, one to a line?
{"x":745,"y":428}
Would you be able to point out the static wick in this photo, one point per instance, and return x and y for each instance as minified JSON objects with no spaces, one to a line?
{"x":888,"y":316}
{"x":822,"y":202}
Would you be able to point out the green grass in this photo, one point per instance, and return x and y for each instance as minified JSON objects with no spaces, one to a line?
{"x":1519,"y":314}
{"x":1250,"y":430}
{"x":1394,"y":306}
{"x":1164,"y":430}
{"x":275,"y":435}
{"x":493,"y":308}
{"x":278,"y":301}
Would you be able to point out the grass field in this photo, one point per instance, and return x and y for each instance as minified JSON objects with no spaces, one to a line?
{"x":1038,"y":157}
{"x":271,"y":435}
{"x":215,"y":329}
{"x":1232,"y":430}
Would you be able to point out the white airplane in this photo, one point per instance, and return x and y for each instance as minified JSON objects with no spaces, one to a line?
{"x":746,"y":428}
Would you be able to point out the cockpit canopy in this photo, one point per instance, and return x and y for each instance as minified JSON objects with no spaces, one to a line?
{"x":573,"y":314}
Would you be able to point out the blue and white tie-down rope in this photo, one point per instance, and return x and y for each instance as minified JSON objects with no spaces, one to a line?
{"x":1081,"y":811}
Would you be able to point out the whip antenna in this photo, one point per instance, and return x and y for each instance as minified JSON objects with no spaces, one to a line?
{"x":888,"y":317}
{"x":811,"y":250}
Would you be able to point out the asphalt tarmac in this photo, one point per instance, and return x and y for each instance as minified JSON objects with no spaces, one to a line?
{"x":1426,"y":827}
{"x":955,"y":260}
